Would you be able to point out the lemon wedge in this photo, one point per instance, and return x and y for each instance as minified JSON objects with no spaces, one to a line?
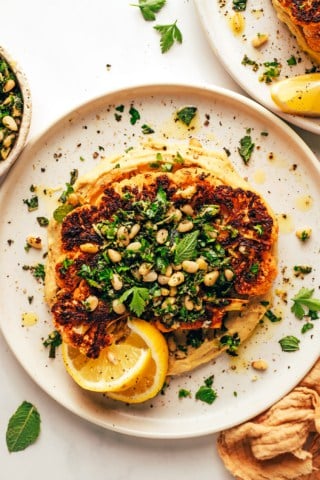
{"x":149,"y":381}
{"x":117,"y":367}
{"x":298,"y":95}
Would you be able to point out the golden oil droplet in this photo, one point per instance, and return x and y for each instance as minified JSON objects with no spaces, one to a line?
{"x":29,"y":319}
{"x":237,"y":23}
{"x":304,"y":203}
{"x":259,"y":176}
{"x":285,"y":222}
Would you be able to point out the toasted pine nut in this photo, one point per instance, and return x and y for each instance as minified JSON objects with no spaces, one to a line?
{"x":176,"y":279}
{"x":185,"y":226}
{"x":10,"y":123}
{"x":259,"y":365}
{"x":116,"y":282}
{"x":89,"y":248}
{"x":9,"y":85}
{"x":118,"y":307}
{"x":211,"y":278}
{"x":134,"y":230}
{"x":187,"y":209}
{"x":228,"y":274}
{"x":189,"y":266}
{"x":34,"y":242}
{"x":188,"y":303}
{"x":114,"y":255}
{"x":202,"y":264}
{"x":162,"y":235}
{"x":150,"y":277}
{"x":91,"y":303}
{"x":163,"y":279}
{"x":134,"y":246}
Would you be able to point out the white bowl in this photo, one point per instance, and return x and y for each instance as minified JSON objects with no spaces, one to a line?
{"x":24,"y":126}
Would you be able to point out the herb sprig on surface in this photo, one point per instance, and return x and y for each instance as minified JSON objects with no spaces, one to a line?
{"x":23,"y":427}
{"x":149,"y":8}
{"x":168,"y":35}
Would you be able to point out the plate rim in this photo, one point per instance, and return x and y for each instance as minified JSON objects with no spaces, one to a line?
{"x":196,"y":88}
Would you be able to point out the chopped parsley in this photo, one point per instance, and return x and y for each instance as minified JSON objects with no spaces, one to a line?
{"x":186,"y":115}
{"x":43,"y":221}
{"x":292,"y":61}
{"x":272,"y":71}
{"x":272,"y":316}
{"x":206,"y":393}
{"x":239,"y":5}
{"x":32,"y":203}
{"x":304,"y":304}
{"x":146,"y":129}
{"x":183,"y":393}
{"x":134,"y":115}
{"x":246,"y":148}
{"x":289,"y":343}
{"x":149,"y":8}
{"x":53,"y":341}
{"x":232,"y":342}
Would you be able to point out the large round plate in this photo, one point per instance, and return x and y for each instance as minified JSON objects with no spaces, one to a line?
{"x":231,"y":49}
{"x":282,"y":168}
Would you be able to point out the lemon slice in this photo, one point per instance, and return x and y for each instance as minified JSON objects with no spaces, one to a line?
{"x":298,"y":95}
{"x":149,"y":381}
{"x":116,"y":368}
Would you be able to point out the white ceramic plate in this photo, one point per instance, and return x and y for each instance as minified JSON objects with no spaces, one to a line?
{"x":282,"y":168}
{"x":260,"y":17}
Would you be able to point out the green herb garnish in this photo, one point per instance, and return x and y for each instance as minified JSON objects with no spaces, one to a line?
{"x":183,"y":393}
{"x":272,"y":316}
{"x":292,"y":60}
{"x":149,"y":8}
{"x":246,"y":148}
{"x":169,"y":34}
{"x":32,"y":203}
{"x":304,"y":303}
{"x":134,"y":115}
{"x":306,"y":327}
{"x":239,"y":5}
{"x":206,"y":393}
{"x":146,"y":130}
{"x":187,"y":114}
{"x":53,"y":341}
{"x":232,"y":342}
{"x":43,"y":221}
{"x":139,"y":297}
{"x":186,"y":248}
{"x":289,"y":343}
{"x":23,"y":427}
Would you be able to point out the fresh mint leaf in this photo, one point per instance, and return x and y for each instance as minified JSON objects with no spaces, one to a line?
{"x":169,"y":34}
{"x":149,"y":8}
{"x":289,"y":343}
{"x":304,"y":300}
{"x":139,"y":297}
{"x":187,"y":114}
{"x":23,"y":427}
{"x":186,"y":247}
{"x":246,"y":148}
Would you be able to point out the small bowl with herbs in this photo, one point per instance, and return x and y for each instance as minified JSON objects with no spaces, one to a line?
{"x":15,"y":111}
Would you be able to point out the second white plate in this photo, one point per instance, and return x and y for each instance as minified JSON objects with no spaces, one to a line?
{"x":231,"y":49}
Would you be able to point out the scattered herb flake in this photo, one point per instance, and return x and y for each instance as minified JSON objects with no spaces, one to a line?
{"x":289,"y":343}
{"x":306,"y":327}
{"x":292,"y":60}
{"x":134,"y":115}
{"x":62,"y":211}
{"x":206,"y":394}
{"x":246,"y":148}
{"x":239,"y":5}
{"x":187,"y":114}
{"x":183,"y":393}
{"x":53,"y":341}
{"x":32,"y":203}
{"x":146,"y":130}
{"x":43,"y":221}
{"x":272,"y":316}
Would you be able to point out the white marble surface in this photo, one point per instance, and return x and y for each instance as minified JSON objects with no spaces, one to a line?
{"x":64,"y":46}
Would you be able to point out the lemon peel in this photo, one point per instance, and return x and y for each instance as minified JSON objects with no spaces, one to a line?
{"x":298,"y":95}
